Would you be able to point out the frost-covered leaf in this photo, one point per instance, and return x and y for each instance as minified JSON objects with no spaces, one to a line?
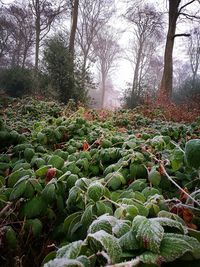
{"x":84,"y":260}
{"x":95,"y":191}
{"x":129,"y":241}
{"x":173,"y":246}
{"x":170,"y":223}
{"x":70,"y":251}
{"x":193,"y":242}
{"x":104,"y":241}
{"x":104,"y":222}
{"x":149,"y":234}
{"x":121,"y":228}
{"x":63,"y":263}
{"x":149,"y":257}
{"x":87,"y":216}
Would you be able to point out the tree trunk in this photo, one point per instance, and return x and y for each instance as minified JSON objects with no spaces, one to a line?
{"x":73,"y":29}
{"x":136,"y":74}
{"x":165,"y":91}
{"x":103,"y":84}
{"x":38,"y":31}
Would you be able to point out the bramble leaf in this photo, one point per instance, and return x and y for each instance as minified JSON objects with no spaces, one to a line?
{"x":107,"y":242}
{"x":149,"y":234}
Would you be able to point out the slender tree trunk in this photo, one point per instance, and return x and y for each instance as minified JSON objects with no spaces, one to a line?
{"x":136,"y":74}
{"x":37,"y":30}
{"x":165,"y":91}
{"x":73,"y":28}
{"x":103,"y":84}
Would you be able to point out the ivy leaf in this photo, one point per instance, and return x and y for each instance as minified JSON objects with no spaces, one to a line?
{"x":170,"y":223}
{"x":107,"y":242}
{"x":149,"y":234}
{"x":173,"y":246}
{"x":63,"y":263}
{"x":70,"y":251}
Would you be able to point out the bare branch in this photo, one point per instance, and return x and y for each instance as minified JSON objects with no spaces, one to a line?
{"x":182,"y":35}
{"x":187,"y":4}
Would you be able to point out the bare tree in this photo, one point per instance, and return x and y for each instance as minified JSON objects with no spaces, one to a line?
{"x":107,"y":51}
{"x":147,"y":28}
{"x":45,"y":13}
{"x":175,"y":11}
{"x":17,"y":33}
{"x":93,"y":15}
{"x":194,"y":53}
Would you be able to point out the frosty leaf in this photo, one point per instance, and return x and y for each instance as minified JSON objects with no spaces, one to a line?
{"x":63,"y":263}
{"x":70,"y":251}
{"x":129,"y":241}
{"x":150,"y":234}
{"x":121,"y":228}
{"x":170,"y":223}
{"x":193,"y":242}
{"x":149,"y":257}
{"x":104,"y":222}
{"x":173,"y":247}
{"x":104,"y":241}
{"x":87,"y":216}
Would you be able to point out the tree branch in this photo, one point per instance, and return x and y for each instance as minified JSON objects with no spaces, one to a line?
{"x":187,"y":4}
{"x":188,"y":16}
{"x":182,"y":35}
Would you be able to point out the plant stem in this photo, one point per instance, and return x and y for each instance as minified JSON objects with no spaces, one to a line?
{"x":178,"y":186}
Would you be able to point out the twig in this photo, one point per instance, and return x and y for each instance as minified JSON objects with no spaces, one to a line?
{"x":5,"y":209}
{"x":178,"y":186}
{"x":131,"y":263}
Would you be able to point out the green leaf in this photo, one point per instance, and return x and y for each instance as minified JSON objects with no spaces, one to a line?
{"x":149,"y":234}
{"x":35,"y":226}
{"x":63,"y":263}
{"x":149,"y":257}
{"x":173,"y":246}
{"x":87,"y":216}
{"x":100,"y":224}
{"x":107,"y":242}
{"x":129,"y":241}
{"x":193,"y":242}
{"x":121,"y":228}
{"x":70,"y":224}
{"x":48,"y":193}
{"x":56,"y":161}
{"x":70,"y":251}
{"x":33,"y":208}
{"x":170,"y":223}
{"x":95,"y":191}
{"x":18,"y":190}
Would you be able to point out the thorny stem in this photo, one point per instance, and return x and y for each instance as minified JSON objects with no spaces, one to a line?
{"x":113,"y":202}
{"x":177,"y":146}
{"x":178,"y":186}
{"x":131,"y":263}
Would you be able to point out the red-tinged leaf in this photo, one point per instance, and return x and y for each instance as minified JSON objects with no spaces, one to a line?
{"x":50,"y":175}
{"x":138,"y":135}
{"x":86,"y":146}
{"x":183,"y":197}
{"x":187,"y":215}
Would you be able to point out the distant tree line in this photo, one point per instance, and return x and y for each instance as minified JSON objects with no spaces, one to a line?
{"x":51,"y":47}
